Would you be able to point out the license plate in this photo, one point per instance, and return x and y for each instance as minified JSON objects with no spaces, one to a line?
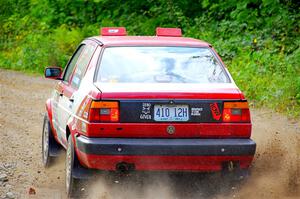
{"x":171,"y":113}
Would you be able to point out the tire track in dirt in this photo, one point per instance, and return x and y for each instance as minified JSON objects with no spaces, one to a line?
{"x":275,"y":171}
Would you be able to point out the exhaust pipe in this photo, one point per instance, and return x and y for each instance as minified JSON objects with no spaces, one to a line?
{"x":230,"y":166}
{"x":124,"y":168}
{"x":232,"y":170}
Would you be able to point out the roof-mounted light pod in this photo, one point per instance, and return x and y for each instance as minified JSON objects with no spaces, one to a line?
{"x":113,"y":31}
{"x":168,"y":32}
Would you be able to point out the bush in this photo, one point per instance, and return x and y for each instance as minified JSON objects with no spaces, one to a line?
{"x":257,"y":39}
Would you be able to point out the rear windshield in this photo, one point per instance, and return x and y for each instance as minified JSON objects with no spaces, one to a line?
{"x":160,"y":65}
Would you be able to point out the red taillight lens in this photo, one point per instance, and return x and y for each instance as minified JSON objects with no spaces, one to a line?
{"x":236,"y":112}
{"x":114,"y":115}
{"x":104,"y":111}
{"x":94,"y":115}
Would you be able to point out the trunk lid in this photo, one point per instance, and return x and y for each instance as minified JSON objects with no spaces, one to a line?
{"x":171,"y":103}
{"x":168,"y":91}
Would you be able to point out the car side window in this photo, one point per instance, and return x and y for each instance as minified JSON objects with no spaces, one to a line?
{"x":82,"y":65}
{"x":72,"y":63}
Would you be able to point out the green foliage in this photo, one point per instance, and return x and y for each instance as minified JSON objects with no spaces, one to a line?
{"x":257,"y":39}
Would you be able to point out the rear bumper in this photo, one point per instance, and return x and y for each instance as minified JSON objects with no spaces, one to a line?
{"x":164,"y":154}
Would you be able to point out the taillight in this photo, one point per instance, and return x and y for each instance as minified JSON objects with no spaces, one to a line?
{"x":236,"y":112}
{"x":104,"y":111}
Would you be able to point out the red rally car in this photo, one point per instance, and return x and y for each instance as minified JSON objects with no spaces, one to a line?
{"x":152,"y":103}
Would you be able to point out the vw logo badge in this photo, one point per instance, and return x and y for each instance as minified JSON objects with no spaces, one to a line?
{"x":171,"y":129}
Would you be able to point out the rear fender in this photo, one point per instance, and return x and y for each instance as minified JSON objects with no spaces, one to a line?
{"x":72,"y":128}
{"x":71,"y":125}
{"x":49,"y":113}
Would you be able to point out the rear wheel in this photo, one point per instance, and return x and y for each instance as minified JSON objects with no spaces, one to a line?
{"x":71,"y":162}
{"x":46,"y":137}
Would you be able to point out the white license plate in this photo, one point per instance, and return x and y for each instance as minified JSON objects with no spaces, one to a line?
{"x":171,"y":113}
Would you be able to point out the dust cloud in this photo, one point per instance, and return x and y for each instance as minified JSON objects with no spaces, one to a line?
{"x":276,"y":169}
{"x":275,"y":172}
{"x":136,"y":185}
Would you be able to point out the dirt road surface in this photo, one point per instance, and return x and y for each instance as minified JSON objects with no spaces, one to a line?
{"x":275,"y":171}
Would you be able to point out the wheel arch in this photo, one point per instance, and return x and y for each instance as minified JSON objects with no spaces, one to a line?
{"x":50,"y":116}
{"x":68,"y":132}
{"x":71,"y":129}
{"x":49,"y":110}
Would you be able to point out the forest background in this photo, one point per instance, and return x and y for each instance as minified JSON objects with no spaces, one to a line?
{"x":257,"y":39}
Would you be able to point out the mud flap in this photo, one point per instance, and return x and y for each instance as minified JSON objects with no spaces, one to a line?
{"x":79,"y":172}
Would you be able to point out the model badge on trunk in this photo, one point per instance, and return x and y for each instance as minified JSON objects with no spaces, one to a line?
{"x":146,"y":113}
{"x":171,"y":129}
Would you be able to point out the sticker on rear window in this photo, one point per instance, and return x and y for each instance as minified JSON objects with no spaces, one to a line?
{"x":215,"y":111}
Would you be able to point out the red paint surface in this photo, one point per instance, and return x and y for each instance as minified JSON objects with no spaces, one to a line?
{"x":168,"y":91}
{"x":159,"y":130}
{"x":168,"y":95}
{"x":169,"y":163}
{"x":150,"y":41}
{"x":49,"y":112}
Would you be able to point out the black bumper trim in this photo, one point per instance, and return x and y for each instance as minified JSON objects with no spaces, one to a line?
{"x":176,"y":147}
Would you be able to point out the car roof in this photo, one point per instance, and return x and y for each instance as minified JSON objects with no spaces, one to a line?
{"x":150,"y":41}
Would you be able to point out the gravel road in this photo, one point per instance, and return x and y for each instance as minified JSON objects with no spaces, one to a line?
{"x":275,"y":171}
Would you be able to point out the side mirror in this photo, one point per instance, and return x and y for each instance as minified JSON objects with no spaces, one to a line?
{"x":53,"y":72}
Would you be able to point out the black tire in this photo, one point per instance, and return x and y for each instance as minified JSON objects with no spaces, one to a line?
{"x":71,"y":163}
{"x":46,"y":142}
